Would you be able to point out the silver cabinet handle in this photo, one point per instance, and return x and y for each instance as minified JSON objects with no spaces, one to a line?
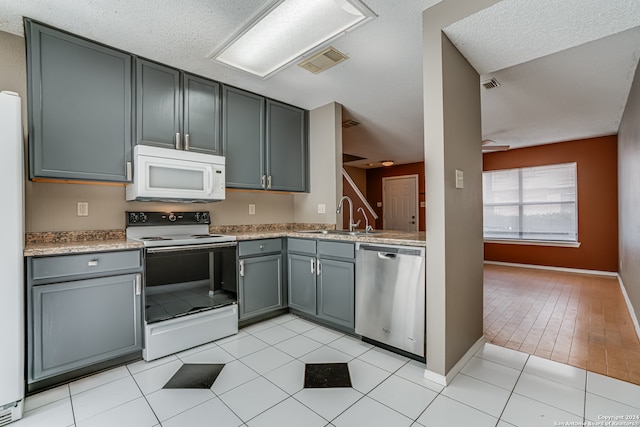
{"x":262,"y":181}
{"x":186,"y":142}
{"x":313,"y":266}
{"x":138,"y":284}
{"x":261,"y":246}
{"x":319,"y":268}
{"x":92,"y":263}
{"x":241,"y":268}
{"x":128,"y":168}
{"x":178,"y":145}
{"x":269,"y":183}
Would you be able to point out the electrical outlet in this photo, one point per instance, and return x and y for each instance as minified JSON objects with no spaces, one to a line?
{"x":252,"y":209}
{"x":322,"y":208}
{"x":459,"y":179}
{"x":423,"y":204}
{"x":379,"y":204}
{"x":83,"y":209}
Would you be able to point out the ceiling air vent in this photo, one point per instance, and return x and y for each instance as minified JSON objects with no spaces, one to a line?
{"x":490,"y":84}
{"x":323,"y":60}
{"x":349,"y":123}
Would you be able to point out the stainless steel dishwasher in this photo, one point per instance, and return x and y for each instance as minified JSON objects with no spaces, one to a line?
{"x":390,"y":296}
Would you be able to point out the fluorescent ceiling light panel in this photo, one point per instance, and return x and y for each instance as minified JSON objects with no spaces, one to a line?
{"x":287,"y":30}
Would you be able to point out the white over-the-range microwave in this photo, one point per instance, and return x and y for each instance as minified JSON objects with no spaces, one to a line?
{"x":169,"y":175}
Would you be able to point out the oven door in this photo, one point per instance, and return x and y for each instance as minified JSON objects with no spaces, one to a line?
{"x":182,"y":280}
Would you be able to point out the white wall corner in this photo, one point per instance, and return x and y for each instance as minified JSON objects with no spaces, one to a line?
{"x":445,"y":380}
{"x":632,"y":313}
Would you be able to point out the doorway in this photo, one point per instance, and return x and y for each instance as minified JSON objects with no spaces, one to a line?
{"x":400,"y":203}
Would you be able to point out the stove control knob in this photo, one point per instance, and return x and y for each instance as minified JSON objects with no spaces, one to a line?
{"x":197,"y":216}
{"x":172,"y":217}
{"x":143,"y":217}
{"x":205,"y":216}
{"x":133,"y":217}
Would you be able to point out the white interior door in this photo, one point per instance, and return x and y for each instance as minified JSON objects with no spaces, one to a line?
{"x":400,"y":203}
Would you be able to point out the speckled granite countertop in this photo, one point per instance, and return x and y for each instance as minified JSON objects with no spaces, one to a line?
{"x":64,"y":243}
{"x":381,"y":237}
{"x":66,"y":248}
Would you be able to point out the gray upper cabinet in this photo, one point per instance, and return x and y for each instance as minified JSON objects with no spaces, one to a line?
{"x":287,"y":147}
{"x":265,"y":143}
{"x":79,"y":103}
{"x":158,"y":106}
{"x":176,"y":110}
{"x":243,"y":138}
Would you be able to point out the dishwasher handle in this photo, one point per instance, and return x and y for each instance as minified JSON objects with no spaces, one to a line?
{"x":387,"y":251}
{"x":386,"y":255}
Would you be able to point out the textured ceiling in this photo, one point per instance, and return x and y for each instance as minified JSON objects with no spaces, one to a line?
{"x":380,"y":86}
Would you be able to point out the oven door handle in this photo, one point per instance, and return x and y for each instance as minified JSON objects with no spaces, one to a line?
{"x":165,"y":249}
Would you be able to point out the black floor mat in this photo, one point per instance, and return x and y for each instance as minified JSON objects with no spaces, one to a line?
{"x":326,"y":375}
{"x":195,"y":375}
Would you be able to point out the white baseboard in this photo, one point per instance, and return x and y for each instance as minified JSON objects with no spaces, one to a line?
{"x":632,"y":312}
{"x":444,"y":380}
{"x":548,"y":267}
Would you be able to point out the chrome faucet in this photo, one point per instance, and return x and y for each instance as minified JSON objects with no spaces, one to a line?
{"x":352,"y":225}
{"x":366,"y":220}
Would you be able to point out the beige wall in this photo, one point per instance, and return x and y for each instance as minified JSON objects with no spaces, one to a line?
{"x":629,"y":195}
{"x":454,"y":216}
{"x":52,"y":207}
{"x":325,"y":146}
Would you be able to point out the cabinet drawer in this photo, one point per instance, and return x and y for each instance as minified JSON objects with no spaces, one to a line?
{"x":83,"y":264}
{"x":302,"y":245}
{"x":257,"y":247}
{"x":337,"y":250}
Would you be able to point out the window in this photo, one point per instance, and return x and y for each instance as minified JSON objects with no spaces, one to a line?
{"x":537,"y":203}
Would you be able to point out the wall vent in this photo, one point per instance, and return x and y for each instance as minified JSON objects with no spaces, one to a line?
{"x":490,"y":84}
{"x":349,"y":123}
{"x":323,"y":60}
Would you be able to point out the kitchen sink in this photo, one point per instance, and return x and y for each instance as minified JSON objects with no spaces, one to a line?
{"x":341,"y":232}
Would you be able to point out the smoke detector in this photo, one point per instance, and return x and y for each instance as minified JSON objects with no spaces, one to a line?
{"x":323,"y":60}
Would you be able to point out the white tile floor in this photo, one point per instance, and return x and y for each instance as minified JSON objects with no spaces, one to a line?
{"x":262,"y":385}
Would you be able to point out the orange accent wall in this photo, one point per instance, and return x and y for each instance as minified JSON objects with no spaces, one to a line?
{"x":374,"y":187}
{"x":597,"y":165}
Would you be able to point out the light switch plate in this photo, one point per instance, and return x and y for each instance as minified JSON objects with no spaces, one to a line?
{"x":379,"y":204}
{"x":459,"y":179}
{"x":423,"y":204}
{"x":252,"y":209}
{"x":322,"y":208}
{"x":83,"y":209}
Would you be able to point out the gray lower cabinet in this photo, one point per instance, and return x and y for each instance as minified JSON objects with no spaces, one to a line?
{"x":265,"y":143}
{"x":260,"y":283}
{"x":82,"y":312}
{"x":302,"y":283}
{"x":176,"y":110}
{"x":79,"y":105}
{"x":321,"y":277}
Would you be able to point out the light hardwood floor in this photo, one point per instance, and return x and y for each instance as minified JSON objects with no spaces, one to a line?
{"x":578,"y":319}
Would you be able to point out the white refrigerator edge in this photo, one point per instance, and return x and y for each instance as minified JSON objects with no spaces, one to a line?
{"x":12,"y":305}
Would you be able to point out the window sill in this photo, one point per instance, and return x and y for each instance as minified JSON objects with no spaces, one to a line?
{"x":535,"y":243}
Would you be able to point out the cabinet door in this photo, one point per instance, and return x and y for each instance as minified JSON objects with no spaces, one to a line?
{"x":158,"y":104}
{"x":201,"y":115}
{"x":260,"y":285}
{"x":286,"y":147}
{"x":302,"y":283}
{"x":243,"y":138}
{"x":336,"y":291}
{"x":79,"y":101}
{"x":79,"y":323}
